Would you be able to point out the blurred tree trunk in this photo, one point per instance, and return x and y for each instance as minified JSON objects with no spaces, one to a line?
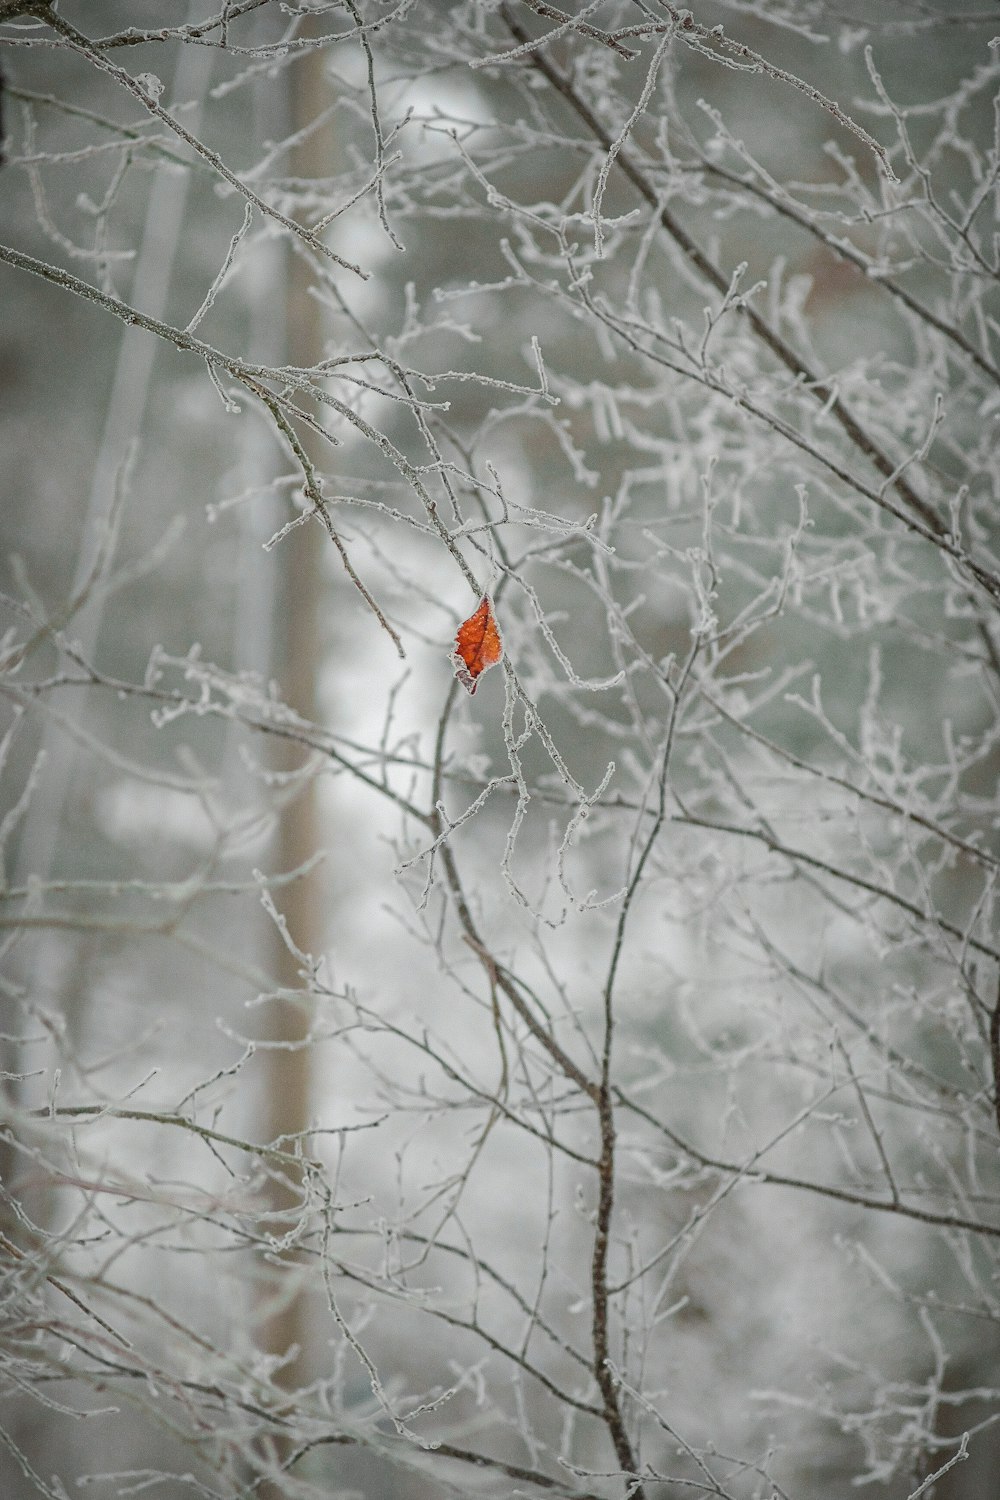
{"x":50,"y":965}
{"x":297,"y":654}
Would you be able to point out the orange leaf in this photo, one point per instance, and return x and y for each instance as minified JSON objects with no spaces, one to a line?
{"x":478,"y":645}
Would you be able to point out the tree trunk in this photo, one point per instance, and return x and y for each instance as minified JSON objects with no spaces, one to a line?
{"x":287,"y":1089}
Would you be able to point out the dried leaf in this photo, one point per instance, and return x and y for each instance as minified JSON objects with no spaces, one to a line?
{"x":478,"y":645}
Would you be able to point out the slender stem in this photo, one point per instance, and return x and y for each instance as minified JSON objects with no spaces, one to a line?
{"x":995,"y":1053}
